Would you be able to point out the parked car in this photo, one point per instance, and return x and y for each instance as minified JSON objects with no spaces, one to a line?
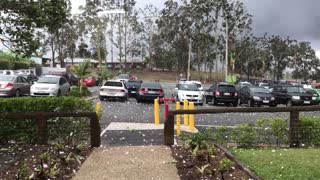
{"x":113,"y":89}
{"x":50,"y":85}
{"x":14,"y":85}
{"x":123,"y":77}
{"x":242,"y":84}
{"x":90,"y":81}
{"x":315,"y":94}
{"x":253,"y":95}
{"x":222,"y":92}
{"x":71,"y":78}
{"x":133,"y":86}
{"x":291,"y":95}
{"x":189,"y":91}
{"x":149,"y":91}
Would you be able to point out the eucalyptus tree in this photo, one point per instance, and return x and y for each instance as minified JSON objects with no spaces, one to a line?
{"x":19,"y":19}
{"x":304,"y":60}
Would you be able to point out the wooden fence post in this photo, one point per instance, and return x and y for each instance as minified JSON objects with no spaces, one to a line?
{"x":95,"y":131}
{"x":294,"y":129}
{"x":42,"y":130}
{"x":169,"y":130}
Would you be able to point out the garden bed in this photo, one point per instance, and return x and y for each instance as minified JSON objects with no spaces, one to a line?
{"x":25,"y":161}
{"x":207,"y":162}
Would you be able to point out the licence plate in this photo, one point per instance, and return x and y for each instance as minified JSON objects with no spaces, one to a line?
{"x":265,"y":101}
{"x":133,"y":91}
{"x":41,"y":92}
{"x":306,"y":102}
{"x":227,"y":94}
{"x":151,"y":92}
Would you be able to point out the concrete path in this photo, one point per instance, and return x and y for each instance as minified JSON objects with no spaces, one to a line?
{"x":129,"y":162}
{"x":130,"y":151}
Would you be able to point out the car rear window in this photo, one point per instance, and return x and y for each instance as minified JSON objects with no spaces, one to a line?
{"x":6,"y":78}
{"x":151,"y":85}
{"x":133,"y":83}
{"x":228,"y":88}
{"x":112,"y":83}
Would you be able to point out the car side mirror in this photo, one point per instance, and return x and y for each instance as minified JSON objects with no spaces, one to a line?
{"x":176,"y":89}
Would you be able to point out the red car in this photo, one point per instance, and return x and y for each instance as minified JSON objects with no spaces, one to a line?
{"x":90,"y":81}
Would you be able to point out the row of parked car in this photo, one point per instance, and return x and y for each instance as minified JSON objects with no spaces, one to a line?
{"x":251,"y":95}
{"x":52,"y":84}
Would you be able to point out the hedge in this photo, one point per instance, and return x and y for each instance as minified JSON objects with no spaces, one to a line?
{"x":59,"y":129}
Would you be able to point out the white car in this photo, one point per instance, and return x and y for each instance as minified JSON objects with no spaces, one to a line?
{"x":190,"y":91}
{"x":113,"y":89}
{"x":123,"y":77}
{"x":50,"y":85}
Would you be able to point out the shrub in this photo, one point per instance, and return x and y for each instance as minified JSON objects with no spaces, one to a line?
{"x":310,"y":130}
{"x":278,"y":129}
{"x":75,"y":92}
{"x":59,"y":129}
{"x":245,"y":135}
{"x":222,"y":135}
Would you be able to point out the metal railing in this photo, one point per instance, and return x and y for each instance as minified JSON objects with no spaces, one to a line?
{"x":293,"y":121}
{"x":42,"y":117}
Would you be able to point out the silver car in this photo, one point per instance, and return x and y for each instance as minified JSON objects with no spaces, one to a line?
{"x":50,"y":85}
{"x":14,"y":85}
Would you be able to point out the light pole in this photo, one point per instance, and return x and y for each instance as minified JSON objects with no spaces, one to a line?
{"x":189,"y":59}
{"x":227,"y":39}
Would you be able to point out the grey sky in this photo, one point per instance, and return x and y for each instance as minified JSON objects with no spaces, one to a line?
{"x":299,"y":19}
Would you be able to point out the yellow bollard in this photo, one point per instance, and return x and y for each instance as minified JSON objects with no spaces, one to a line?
{"x":186,"y":116}
{"x":191,"y":117}
{"x":178,"y":119}
{"x":156,"y":112}
{"x":99,"y":111}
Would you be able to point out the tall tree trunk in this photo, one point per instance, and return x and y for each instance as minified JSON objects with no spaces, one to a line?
{"x":199,"y":63}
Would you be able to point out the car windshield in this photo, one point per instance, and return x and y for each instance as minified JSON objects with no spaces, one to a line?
{"x":198,"y":85}
{"x":133,"y":83}
{"x":296,"y":89}
{"x":228,"y":88}
{"x":49,"y":80}
{"x":6,"y":78}
{"x":113,"y":83}
{"x":188,"y":87}
{"x":260,"y":90}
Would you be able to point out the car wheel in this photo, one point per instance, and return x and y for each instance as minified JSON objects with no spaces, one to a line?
{"x":17,"y":93}
{"x":250,"y":104}
{"x":235,"y":104}
{"x":273,"y":105}
{"x":239,"y":102}
{"x":214,"y":102}
{"x":138,"y":100}
{"x":289,"y":103}
{"x":59,"y":93}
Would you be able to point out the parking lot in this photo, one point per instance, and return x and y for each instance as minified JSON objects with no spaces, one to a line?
{"x":131,"y":111}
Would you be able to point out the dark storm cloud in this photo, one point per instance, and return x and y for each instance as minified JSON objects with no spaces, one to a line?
{"x":299,"y":19}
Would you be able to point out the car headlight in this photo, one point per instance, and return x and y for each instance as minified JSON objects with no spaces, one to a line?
{"x":256,"y":98}
{"x":314,"y":98}
{"x":272,"y":98}
{"x":296,"y":97}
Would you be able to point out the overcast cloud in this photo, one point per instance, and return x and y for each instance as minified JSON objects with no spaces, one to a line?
{"x":299,"y":19}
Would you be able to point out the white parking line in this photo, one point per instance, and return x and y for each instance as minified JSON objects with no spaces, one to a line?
{"x":104,"y":131}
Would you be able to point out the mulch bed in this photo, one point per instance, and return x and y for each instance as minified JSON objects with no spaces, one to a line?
{"x":187,"y":165}
{"x":22,"y":161}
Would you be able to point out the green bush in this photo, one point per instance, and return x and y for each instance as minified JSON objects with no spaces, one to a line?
{"x":310,"y":131}
{"x":59,"y":129}
{"x":245,"y":135}
{"x":75,"y":92}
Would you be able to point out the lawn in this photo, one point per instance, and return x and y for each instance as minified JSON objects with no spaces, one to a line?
{"x":281,"y":163}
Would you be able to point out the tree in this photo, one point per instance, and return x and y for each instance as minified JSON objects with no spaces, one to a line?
{"x":82,"y":71}
{"x":19,"y":20}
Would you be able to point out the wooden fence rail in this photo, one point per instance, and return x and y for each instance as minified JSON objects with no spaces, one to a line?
{"x":293,"y":122}
{"x":42,"y":117}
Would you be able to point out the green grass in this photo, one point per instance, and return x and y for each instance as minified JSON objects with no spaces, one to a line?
{"x":282,"y":163}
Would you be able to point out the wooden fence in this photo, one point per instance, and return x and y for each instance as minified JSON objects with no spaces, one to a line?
{"x":293,"y":122}
{"x":42,"y":117}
